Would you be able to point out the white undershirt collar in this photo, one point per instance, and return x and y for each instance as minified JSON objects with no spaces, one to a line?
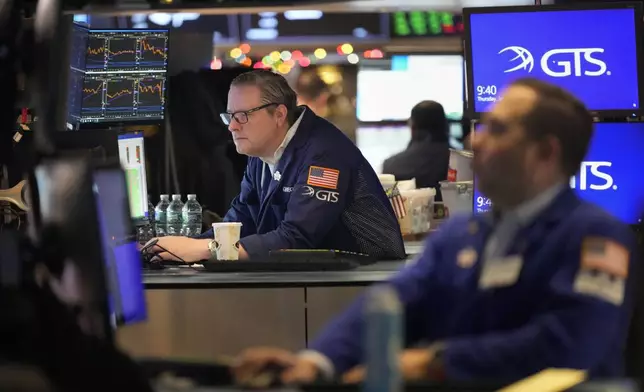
{"x":272,"y":161}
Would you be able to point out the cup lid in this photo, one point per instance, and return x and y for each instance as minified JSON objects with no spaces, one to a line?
{"x":226,"y":224}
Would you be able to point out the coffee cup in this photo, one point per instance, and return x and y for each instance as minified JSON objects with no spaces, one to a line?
{"x":227,"y":240}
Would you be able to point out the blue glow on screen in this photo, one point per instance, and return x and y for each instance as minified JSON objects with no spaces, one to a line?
{"x":616,"y":156}
{"x":122,"y":258}
{"x":591,"y":53}
{"x":130,"y":278}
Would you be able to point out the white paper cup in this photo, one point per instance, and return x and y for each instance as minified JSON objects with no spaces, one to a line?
{"x":227,"y":240}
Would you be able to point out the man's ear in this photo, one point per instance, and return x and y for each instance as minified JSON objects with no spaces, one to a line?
{"x":281,"y":115}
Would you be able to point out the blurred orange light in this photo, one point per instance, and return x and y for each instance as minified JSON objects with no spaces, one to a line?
{"x":339,"y":50}
{"x":245,"y":48}
{"x":367,"y":54}
{"x":247,"y":62}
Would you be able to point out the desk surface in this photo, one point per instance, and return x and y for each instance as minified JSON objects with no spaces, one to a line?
{"x":187,"y":277}
{"x":624,"y":385}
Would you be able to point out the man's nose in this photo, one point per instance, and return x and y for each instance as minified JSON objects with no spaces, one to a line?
{"x":478,"y":139}
{"x":234,"y":126}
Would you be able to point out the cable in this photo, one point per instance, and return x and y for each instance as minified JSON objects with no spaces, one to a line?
{"x":191,"y":264}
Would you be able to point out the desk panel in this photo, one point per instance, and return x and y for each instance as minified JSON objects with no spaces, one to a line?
{"x":205,"y":323}
{"x":325,"y":303}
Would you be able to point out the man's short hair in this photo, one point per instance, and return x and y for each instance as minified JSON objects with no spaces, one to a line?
{"x":310,"y":85}
{"x":560,"y":114}
{"x":273,"y":89}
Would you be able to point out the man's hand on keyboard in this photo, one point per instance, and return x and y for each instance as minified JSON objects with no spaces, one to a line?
{"x":255,"y":361}
{"x":184,"y":249}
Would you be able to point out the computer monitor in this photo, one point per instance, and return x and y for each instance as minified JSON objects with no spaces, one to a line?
{"x":593,"y":51}
{"x":608,"y":172}
{"x":412,"y":79}
{"x":65,"y":223}
{"x":119,"y":77}
{"x":132,"y":157}
{"x":122,"y":258}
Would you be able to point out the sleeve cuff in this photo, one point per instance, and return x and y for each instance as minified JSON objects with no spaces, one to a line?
{"x":253,"y":245}
{"x":323,"y":363}
{"x":208,"y":234}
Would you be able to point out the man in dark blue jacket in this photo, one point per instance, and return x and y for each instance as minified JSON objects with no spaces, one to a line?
{"x":541,"y":283}
{"x":306,"y":185}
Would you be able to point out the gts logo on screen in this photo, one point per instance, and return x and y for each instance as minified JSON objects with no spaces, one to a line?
{"x":589,"y":175}
{"x":563,"y":67}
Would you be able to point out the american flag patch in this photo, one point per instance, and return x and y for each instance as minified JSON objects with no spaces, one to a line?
{"x":323,"y":177}
{"x":605,"y":255}
{"x":397,"y":202}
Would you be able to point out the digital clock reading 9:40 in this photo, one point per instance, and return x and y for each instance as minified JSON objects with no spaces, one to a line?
{"x":483,"y":202}
{"x":486,"y":90}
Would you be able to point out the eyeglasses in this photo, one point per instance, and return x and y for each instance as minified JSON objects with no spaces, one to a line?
{"x":242,"y":116}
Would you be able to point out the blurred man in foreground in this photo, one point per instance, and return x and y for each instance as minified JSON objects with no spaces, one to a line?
{"x":541,"y":283}
{"x":306,"y":185}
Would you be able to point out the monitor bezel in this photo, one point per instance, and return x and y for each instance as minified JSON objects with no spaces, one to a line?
{"x":80,"y":228}
{"x":638,"y":15}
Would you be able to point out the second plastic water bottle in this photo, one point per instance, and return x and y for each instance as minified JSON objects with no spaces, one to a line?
{"x":383,"y":340}
{"x":191,"y":217}
{"x":160,"y":216}
{"x":175,"y":221}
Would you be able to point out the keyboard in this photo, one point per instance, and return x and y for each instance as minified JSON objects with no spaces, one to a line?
{"x":294,"y":260}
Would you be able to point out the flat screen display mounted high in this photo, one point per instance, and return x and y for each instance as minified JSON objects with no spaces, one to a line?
{"x":592,"y":51}
{"x":411,"y":79}
{"x":606,"y":176}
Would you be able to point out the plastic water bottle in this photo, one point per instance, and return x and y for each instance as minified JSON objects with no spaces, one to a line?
{"x":383,"y":340}
{"x":151,"y":211}
{"x":160,"y":215}
{"x":175,"y":220}
{"x":191,"y":215}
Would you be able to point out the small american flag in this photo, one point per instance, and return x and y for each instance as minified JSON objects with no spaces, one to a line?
{"x":323,"y":177}
{"x":397,"y":202}
{"x":605,"y":255}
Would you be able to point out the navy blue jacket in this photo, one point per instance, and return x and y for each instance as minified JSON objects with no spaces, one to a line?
{"x":301,"y":209}
{"x":564,"y":311}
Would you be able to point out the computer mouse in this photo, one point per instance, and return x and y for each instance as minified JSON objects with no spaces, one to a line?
{"x":152,"y":261}
{"x":156,"y":266}
{"x":269,"y":377}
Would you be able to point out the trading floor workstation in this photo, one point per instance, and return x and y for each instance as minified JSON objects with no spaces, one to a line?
{"x":206,"y":311}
